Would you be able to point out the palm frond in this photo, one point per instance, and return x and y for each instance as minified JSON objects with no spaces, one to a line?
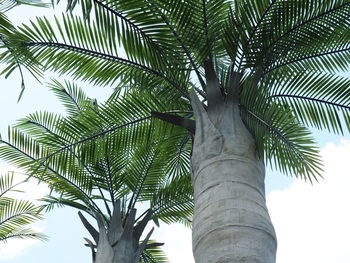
{"x":73,"y":98}
{"x":174,"y":202}
{"x":281,"y":41}
{"x":318,"y":100}
{"x":153,"y":255}
{"x":75,"y":39}
{"x":22,"y":233}
{"x":16,"y":214}
{"x":152,"y":33}
{"x":281,"y":140}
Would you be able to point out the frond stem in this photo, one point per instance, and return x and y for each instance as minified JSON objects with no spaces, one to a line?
{"x":136,"y":193}
{"x":311,"y":99}
{"x":304,"y":23}
{"x":107,"y":57}
{"x":89,"y":138}
{"x":306,"y":58}
{"x":54,"y":172}
{"x":275,"y":131}
{"x":255,"y":29}
{"x":182,"y":44}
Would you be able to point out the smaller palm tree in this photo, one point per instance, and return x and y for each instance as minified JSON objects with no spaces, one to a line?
{"x":109,"y":177}
{"x":15,"y":215}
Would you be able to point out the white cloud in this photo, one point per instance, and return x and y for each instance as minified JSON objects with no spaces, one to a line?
{"x":178,"y":242}
{"x":15,"y":247}
{"x":30,"y":190}
{"x":312,"y":222}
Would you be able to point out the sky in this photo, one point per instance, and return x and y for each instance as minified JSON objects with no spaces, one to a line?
{"x":311,"y":221}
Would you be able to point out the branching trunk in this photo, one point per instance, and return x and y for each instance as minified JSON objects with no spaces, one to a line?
{"x":118,"y":243}
{"x":231,"y":222}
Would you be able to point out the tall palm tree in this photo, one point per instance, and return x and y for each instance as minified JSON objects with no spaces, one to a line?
{"x":256,"y":74}
{"x":15,"y":215}
{"x":104,"y":181}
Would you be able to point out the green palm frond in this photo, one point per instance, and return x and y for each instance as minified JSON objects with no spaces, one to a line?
{"x":7,"y":27}
{"x":26,"y":153}
{"x":153,"y":33}
{"x":73,"y":98}
{"x":280,"y":41}
{"x":318,"y":100}
{"x":180,"y":207}
{"x":6,"y":184}
{"x":283,"y":141}
{"x":22,"y":233}
{"x":75,"y":39}
{"x":15,"y":215}
{"x":153,"y":255}
{"x":5,"y":23}
{"x":51,"y":202}
{"x":131,"y":113}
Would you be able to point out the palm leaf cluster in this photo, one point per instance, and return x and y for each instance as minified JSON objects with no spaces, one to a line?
{"x":91,"y":171}
{"x":16,"y":215}
{"x":286,"y":54}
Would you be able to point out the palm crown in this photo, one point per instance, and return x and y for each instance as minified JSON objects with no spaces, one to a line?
{"x":272,"y":48}
{"x":110,"y":173}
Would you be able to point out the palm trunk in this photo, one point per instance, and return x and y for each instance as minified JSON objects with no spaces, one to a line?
{"x":231,"y":222}
{"x":118,"y":243}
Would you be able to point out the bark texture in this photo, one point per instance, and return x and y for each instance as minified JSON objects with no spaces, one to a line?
{"x":231,"y":222}
{"x":118,"y":243}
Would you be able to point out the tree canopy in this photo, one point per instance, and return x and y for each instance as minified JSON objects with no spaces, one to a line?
{"x":287,"y":78}
{"x":279,"y":60}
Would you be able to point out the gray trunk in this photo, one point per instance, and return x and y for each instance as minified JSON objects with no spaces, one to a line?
{"x":231,"y":222}
{"x":118,"y":243}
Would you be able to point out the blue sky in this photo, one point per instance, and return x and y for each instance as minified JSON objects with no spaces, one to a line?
{"x":66,"y":232}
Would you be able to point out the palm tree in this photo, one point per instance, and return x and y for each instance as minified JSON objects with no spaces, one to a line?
{"x":256,"y":74}
{"x":15,"y":215}
{"x":105,"y":182}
